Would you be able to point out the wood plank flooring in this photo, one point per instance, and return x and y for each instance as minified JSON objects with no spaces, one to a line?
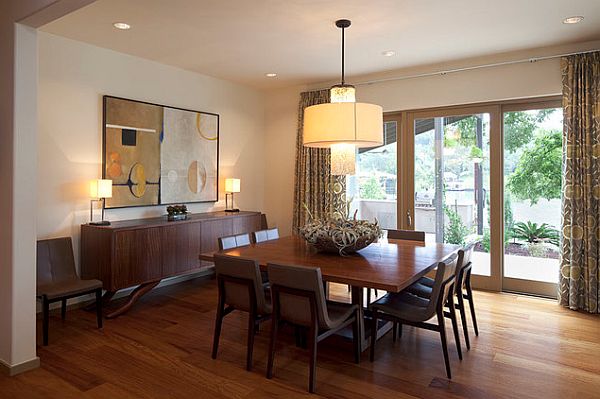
{"x":527,"y":348}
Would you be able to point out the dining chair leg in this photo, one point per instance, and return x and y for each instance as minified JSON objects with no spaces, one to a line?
{"x":373,"y":334}
{"x":63,"y":309}
{"x":368,"y":297}
{"x":272,"y":342}
{"x":472,"y":305}
{"x":399,"y":330}
{"x":355,"y":339}
{"x":454,"y":325}
{"x":251,"y":332}
{"x":442,"y":327}
{"x":394,"y":331}
{"x":45,"y":320}
{"x":312,"y":379}
{"x":99,"y":307}
{"x":463,"y":318}
{"x":218,"y":324}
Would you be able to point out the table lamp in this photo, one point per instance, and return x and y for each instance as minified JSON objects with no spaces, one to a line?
{"x":231,"y":186}
{"x":100,"y":189}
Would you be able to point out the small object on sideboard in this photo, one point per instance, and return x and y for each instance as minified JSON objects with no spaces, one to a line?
{"x":176,"y":212}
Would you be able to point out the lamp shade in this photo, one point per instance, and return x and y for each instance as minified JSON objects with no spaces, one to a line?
{"x":101,"y":188}
{"x":232,"y":185}
{"x":360,"y":124}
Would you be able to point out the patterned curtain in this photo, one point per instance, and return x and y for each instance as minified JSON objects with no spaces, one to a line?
{"x":581,"y":182}
{"x":323,"y":194}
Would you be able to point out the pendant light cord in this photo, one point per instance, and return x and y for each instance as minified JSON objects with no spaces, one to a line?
{"x":343,"y":55}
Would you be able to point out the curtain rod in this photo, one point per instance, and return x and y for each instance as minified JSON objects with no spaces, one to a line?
{"x":469,"y":68}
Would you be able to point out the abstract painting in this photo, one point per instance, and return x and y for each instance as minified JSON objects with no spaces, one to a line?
{"x":157,"y":154}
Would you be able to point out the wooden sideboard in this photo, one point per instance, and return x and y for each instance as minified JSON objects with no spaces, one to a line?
{"x":142,"y":252}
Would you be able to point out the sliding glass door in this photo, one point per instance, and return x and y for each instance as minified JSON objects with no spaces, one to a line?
{"x":532,"y":188}
{"x":491,"y":175}
{"x":448,"y":187}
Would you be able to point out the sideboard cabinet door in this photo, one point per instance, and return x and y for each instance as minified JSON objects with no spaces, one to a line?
{"x":138,"y":257}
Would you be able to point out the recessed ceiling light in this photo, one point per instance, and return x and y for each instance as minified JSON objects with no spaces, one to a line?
{"x":388,"y":53}
{"x":122,"y":25}
{"x":270,"y":74}
{"x":573,"y":20}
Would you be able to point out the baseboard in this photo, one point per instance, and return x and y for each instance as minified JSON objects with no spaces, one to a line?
{"x":15,"y":369}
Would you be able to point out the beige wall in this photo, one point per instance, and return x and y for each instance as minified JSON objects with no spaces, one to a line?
{"x":281,"y":119}
{"x":73,"y":76}
{"x":522,"y":80}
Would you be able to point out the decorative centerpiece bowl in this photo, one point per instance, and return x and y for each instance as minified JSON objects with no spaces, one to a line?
{"x":176,"y":212}
{"x":342,"y":236}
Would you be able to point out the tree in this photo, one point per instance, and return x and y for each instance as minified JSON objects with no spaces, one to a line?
{"x":372,"y":190}
{"x":519,"y":128}
{"x":538,"y":171}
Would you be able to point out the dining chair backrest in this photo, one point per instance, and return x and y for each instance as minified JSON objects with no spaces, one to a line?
{"x":240,"y":282}
{"x":266,"y":235}
{"x":298,"y":294}
{"x":55,"y":261}
{"x":464,"y":266}
{"x":234,"y":241}
{"x":443,"y":284}
{"x":409,"y":235}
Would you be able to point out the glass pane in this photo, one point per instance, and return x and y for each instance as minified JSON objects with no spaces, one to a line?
{"x":452,"y":182}
{"x":372,"y":190}
{"x":532,"y":187}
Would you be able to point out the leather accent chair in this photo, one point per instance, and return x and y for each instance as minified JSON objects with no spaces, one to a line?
{"x":299,"y":299}
{"x":57,"y":279}
{"x":407,"y":308}
{"x":240,"y":288}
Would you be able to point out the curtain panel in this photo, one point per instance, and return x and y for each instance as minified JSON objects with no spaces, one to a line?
{"x":581,"y":182}
{"x":314,"y":187}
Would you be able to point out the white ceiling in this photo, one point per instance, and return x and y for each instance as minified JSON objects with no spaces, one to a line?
{"x":241,"y":40}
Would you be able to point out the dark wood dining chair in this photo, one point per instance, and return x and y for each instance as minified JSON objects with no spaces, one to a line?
{"x":240,"y":288}
{"x":265,"y":235}
{"x":234,"y":241}
{"x":299,"y":299}
{"x":409,"y":235}
{"x":407,"y":308}
{"x":57,"y":280}
{"x":462,"y":289}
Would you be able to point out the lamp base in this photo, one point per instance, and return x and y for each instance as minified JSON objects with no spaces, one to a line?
{"x":100,"y":223}
{"x":232,"y":210}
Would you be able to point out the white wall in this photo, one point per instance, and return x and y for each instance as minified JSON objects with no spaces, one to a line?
{"x":541,"y":78}
{"x":73,"y":76}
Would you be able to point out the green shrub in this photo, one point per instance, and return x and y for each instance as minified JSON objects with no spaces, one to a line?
{"x":455,"y":231}
{"x":532,"y":233}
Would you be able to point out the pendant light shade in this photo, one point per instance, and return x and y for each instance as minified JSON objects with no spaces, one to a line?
{"x":360,"y":124}
{"x":343,"y":124}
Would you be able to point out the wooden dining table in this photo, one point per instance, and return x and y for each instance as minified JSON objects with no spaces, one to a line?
{"x":389,"y":265}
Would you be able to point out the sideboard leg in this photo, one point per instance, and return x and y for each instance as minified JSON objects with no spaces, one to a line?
{"x":136,"y":294}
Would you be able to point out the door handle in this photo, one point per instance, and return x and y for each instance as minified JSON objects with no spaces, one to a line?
{"x":408,"y":218}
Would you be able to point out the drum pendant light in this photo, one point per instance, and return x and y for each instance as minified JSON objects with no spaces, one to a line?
{"x":343,"y":125}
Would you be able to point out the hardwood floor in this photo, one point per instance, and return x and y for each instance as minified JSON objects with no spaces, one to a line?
{"x":527,"y":348}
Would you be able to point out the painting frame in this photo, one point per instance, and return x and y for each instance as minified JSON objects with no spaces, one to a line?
{"x":214,"y":197}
